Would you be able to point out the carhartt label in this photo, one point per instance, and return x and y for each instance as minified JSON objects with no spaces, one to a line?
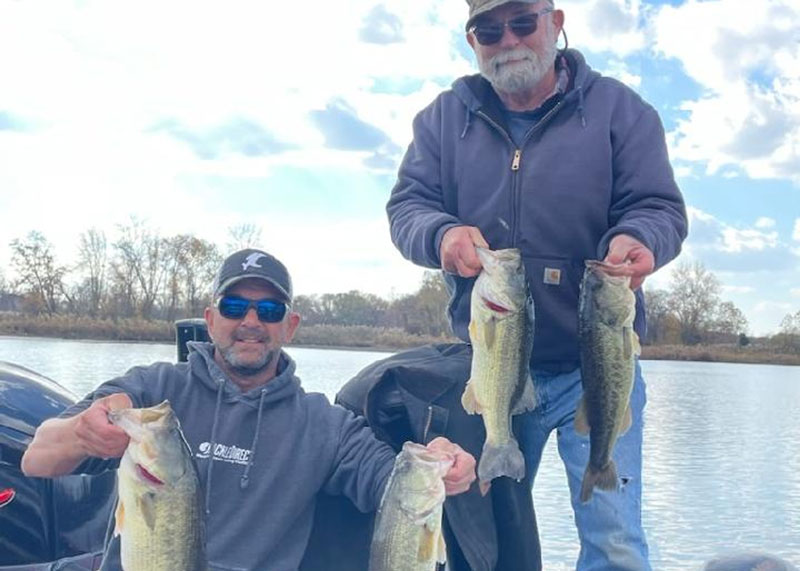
{"x":552,"y":276}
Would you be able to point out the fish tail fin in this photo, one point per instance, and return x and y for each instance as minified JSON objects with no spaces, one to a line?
{"x":502,"y":460}
{"x":603,"y":478}
{"x":469,"y":401}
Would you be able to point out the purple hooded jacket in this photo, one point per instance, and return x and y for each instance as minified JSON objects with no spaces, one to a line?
{"x":594,"y":166}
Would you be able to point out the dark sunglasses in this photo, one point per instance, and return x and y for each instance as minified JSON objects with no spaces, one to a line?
{"x":488,"y":33}
{"x":268,"y":310}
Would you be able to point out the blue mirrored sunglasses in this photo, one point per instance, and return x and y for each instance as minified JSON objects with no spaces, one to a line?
{"x":268,"y":310}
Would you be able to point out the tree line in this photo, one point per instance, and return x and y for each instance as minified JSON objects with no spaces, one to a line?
{"x":145,"y":275}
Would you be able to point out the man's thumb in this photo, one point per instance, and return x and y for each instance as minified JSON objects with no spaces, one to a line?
{"x":118,"y":400}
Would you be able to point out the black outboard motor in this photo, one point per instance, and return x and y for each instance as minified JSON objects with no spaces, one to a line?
{"x":189,"y":330}
{"x":45,"y":523}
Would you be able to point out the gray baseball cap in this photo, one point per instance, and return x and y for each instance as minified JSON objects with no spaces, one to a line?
{"x":478,"y":7}
{"x":251,"y":263}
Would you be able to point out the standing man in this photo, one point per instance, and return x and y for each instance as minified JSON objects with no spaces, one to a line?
{"x":263,"y":446}
{"x":541,"y":153}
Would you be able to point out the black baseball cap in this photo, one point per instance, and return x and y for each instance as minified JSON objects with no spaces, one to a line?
{"x":252,"y":263}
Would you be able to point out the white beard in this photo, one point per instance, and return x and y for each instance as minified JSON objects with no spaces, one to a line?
{"x":521,"y":75}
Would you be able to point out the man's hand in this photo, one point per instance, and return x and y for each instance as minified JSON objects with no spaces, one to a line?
{"x":457,"y":251}
{"x":633,"y":258}
{"x":462,"y":473}
{"x":95,"y":435}
{"x":61,"y":444}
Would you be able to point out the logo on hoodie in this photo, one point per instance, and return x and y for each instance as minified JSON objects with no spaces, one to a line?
{"x":224,"y":453}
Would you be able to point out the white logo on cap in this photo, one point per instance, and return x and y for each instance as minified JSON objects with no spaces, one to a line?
{"x":251,"y":261}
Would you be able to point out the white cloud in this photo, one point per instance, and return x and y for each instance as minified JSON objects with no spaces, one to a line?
{"x":769,"y":315}
{"x":604,"y":25}
{"x":732,"y":289}
{"x":621,"y":71}
{"x":747,"y":63}
{"x":737,"y":248}
{"x":765,"y":222}
{"x":796,"y":231}
{"x":795,"y":292}
{"x":738,"y":240}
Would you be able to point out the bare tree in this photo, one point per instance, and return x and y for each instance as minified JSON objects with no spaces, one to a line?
{"x":38,"y":274}
{"x":790,"y":324}
{"x":201,"y":260}
{"x":694,"y":297}
{"x":139,"y":267}
{"x":657,"y":312}
{"x":243,"y":236}
{"x":191,"y":264}
{"x":92,"y":259}
{"x":729,"y":319}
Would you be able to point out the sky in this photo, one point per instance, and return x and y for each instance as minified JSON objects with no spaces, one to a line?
{"x":293,"y":117}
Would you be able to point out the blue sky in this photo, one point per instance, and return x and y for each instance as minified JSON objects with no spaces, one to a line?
{"x":198,"y":116}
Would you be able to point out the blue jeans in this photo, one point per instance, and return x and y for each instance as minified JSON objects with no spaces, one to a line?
{"x":610,"y":523}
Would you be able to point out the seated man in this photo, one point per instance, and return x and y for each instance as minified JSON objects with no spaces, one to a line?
{"x":240,"y":394}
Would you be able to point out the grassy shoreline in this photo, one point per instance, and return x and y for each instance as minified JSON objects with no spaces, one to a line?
{"x":353,"y":338}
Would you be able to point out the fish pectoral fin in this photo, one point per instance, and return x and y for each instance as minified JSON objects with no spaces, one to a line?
{"x":429,"y":545}
{"x":637,"y":345}
{"x":627,"y":421}
{"x":442,"y":548}
{"x":627,"y":343}
{"x":469,"y":401}
{"x":147,"y":506}
{"x":490,"y":332}
{"x":527,"y":400}
{"x":581,"y":418}
{"x":119,"y":517}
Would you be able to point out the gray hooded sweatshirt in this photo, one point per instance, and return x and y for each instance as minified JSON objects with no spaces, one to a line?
{"x":274,"y":448}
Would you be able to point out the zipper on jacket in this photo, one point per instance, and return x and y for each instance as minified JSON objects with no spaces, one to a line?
{"x":514,"y":168}
{"x":515,"y":165}
{"x":516,"y":194}
{"x":515,"y":162}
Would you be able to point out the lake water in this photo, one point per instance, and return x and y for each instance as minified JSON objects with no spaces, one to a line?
{"x":721,"y":461}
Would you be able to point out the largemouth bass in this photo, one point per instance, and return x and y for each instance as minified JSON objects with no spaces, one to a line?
{"x":408,"y":525}
{"x":608,"y":348}
{"x":158,"y":514}
{"x":501,"y":332}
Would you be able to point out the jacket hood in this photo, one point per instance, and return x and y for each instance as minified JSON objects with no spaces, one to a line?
{"x":283,"y":385}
